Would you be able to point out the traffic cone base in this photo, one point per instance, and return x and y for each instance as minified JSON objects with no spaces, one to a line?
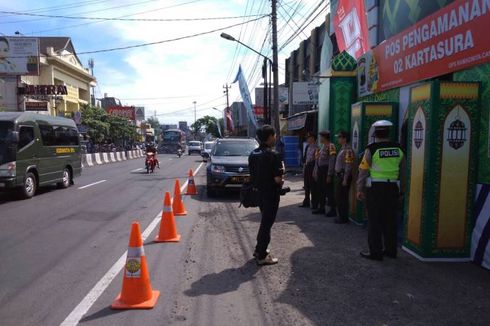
{"x":149,"y":304}
{"x":176,"y":239}
{"x":184,"y":213}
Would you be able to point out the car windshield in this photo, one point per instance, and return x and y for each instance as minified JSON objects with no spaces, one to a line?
{"x":7,"y":149}
{"x":235,"y":148}
{"x":194,"y":143}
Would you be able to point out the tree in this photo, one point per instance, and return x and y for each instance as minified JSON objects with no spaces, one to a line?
{"x":96,"y":120}
{"x":155,"y":124}
{"x":208,"y":125}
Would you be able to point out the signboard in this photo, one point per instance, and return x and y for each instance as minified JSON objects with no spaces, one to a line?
{"x":122,"y":111}
{"x":43,"y":90}
{"x":351,"y":27}
{"x":259,"y":111}
{"x":367,"y":74}
{"x":305,"y":93}
{"x":19,"y":56}
{"x":140,"y":113}
{"x":454,"y":38}
{"x":297,"y":122}
{"x":36,"y":106}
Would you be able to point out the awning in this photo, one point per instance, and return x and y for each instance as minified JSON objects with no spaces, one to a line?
{"x":298,"y":121}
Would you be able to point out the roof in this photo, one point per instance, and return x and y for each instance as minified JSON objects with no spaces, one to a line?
{"x":58,"y":43}
{"x":235,"y":139}
{"x":29,"y":116}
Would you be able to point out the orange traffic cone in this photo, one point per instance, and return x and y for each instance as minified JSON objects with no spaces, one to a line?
{"x":168,"y":230}
{"x":178,"y":204}
{"x":136,"y":288}
{"x":191,"y":185}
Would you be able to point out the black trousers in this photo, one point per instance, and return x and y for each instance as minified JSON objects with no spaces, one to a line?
{"x":342,"y":197}
{"x":268,"y":208}
{"x":310,"y":186}
{"x":382,"y":201}
{"x":325,"y":190}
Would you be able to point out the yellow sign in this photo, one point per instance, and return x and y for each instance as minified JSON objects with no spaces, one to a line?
{"x":64,"y":150}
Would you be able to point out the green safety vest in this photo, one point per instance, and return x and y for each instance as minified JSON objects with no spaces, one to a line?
{"x":385,"y":162}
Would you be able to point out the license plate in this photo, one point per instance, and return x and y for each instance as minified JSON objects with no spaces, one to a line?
{"x":240,"y":179}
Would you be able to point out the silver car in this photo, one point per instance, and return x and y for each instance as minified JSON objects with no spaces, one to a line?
{"x":194,"y":147}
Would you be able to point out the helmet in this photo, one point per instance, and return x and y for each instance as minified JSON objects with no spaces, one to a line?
{"x":382,"y":124}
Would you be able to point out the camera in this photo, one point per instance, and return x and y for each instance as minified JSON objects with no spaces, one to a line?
{"x":284,"y":191}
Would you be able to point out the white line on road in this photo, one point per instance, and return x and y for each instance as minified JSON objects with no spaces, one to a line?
{"x":136,"y":170}
{"x":92,"y":184}
{"x":81,"y":309}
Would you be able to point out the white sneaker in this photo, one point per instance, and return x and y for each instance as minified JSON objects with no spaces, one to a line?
{"x":268,"y":260}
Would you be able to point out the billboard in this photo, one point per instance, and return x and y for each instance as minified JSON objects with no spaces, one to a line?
{"x":305,"y":93}
{"x":19,"y":56}
{"x":351,"y":27}
{"x":122,"y":111}
{"x":139,"y":113}
{"x":452,"y":39}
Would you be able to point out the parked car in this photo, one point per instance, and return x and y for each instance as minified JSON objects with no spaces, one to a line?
{"x":206,"y":150}
{"x":227,"y":166}
{"x":194,"y":147}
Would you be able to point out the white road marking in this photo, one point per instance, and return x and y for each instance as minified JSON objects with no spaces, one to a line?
{"x":92,"y":184}
{"x":136,"y":170}
{"x":81,"y":309}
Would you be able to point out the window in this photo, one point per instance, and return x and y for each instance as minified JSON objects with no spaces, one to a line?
{"x":59,"y":136}
{"x":26,"y":136}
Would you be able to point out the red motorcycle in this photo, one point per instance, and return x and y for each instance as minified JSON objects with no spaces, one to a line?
{"x":150,"y":162}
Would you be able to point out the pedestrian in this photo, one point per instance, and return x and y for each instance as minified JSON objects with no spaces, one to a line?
{"x":343,"y":171}
{"x":324,"y":175}
{"x":267,"y":176}
{"x":308,"y":166}
{"x":380,"y":183}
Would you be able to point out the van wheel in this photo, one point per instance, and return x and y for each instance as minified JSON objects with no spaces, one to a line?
{"x":66,"y":179}
{"x":29,"y":186}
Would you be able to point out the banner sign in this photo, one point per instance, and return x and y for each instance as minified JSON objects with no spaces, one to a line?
{"x":367,"y":74}
{"x":454,"y":38}
{"x":36,"y":106}
{"x":247,"y":101}
{"x":122,"y":111}
{"x":297,"y":122}
{"x":49,"y":90}
{"x":351,"y":27}
{"x":259,"y":111}
{"x":305,"y":93}
{"x":19,"y":56}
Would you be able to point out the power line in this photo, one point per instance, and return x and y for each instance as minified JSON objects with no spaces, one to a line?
{"x":126,"y":19}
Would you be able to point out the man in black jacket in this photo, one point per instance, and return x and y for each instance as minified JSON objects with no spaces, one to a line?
{"x":267,"y":175}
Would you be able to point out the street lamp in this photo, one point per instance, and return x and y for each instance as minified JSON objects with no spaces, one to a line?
{"x":264,"y":74}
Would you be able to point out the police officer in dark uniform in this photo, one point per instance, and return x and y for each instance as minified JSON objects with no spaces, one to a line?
{"x":379,"y":182}
{"x":267,"y":175}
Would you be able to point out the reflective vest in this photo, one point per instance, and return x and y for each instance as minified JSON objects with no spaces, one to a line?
{"x":385,"y":161}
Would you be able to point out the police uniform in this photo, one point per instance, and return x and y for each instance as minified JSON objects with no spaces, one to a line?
{"x":325,"y":167}
{"x":343,"y":170}
{"x":266,"y":164}
{"x":309,"y":182}
{"x":379,"y":178}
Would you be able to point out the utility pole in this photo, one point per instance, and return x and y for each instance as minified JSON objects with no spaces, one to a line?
{"x":275,"y":70}
{"x":195,"y":119}
{"x":226,"y":91}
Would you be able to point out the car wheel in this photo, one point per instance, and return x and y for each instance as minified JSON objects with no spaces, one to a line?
{"x":66,"y":179}
{"x":29,"y":186}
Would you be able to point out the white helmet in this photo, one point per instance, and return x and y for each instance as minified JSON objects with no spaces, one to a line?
{"x":382,"y":124}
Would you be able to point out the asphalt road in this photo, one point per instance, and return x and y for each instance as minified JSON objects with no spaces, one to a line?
{"x":58,"y":245}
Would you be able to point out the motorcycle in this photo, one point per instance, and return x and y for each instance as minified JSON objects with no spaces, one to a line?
{"x":179,"y":152}
{"x":150,"y":162}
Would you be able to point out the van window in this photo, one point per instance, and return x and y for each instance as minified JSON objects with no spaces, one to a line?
{"x":26,"y":136}
{"x":59,"y":136}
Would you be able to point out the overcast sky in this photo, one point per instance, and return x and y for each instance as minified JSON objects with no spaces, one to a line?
{"x":166,"y":78}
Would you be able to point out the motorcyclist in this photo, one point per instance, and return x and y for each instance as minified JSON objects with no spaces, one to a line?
{"x":150,"y":148}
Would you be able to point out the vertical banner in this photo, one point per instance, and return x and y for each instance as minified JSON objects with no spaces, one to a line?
{"x":351,"y":27}
{"x":247,"y":101}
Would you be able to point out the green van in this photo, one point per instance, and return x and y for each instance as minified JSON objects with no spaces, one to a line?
{"x":37,"y":150}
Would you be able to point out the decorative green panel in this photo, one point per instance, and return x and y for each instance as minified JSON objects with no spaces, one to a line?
{"x":393,"y":95}
{"x":343,"y":93}
{"x":481,"y":74}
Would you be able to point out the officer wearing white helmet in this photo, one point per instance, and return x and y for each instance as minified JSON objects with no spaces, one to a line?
{"x":380,"y":173}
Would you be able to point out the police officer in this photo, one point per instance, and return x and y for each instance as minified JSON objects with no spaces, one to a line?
{"x":324,"y":174}
{"x":343,"y":170}
{"x":267,"y":175}
{"x":378,"y":182}
{"x":309,"y":165}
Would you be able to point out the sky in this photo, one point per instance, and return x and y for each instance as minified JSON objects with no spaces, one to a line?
{"x":167,"y":78}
